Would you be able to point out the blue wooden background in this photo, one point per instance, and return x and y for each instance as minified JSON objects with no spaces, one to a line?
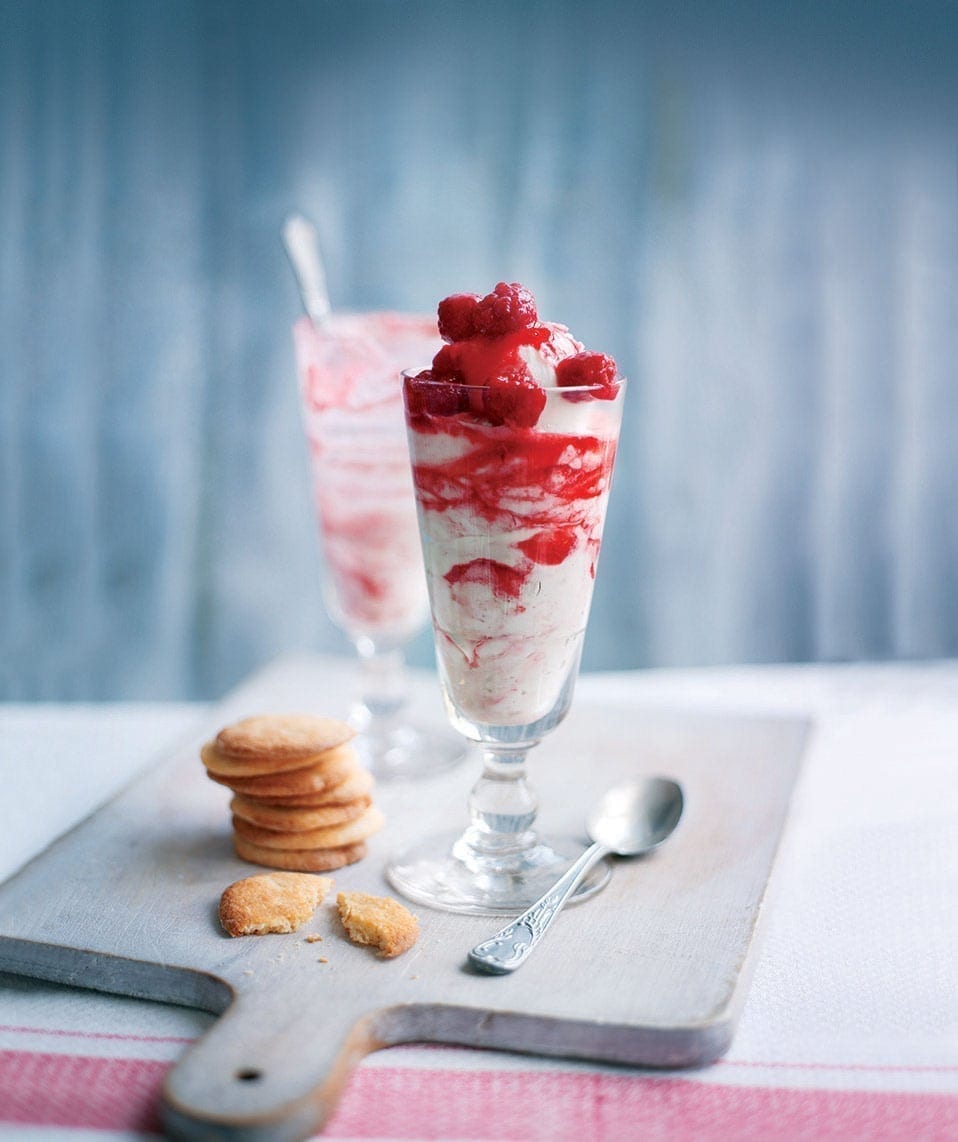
{"x":751,"y":205}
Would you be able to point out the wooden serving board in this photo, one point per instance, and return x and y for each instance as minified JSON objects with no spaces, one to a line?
{"x":651,"y":971}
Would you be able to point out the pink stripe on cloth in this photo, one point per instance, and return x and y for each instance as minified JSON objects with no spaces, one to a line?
{"x":79,"y":1091}
{"x":403,"y":1104}
{"x":396,"y":1103}
{"x":67,"y":1033}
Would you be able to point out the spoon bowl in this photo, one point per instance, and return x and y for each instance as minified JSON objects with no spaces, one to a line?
{"x":636,"y":818}
{"x":628,"y":821}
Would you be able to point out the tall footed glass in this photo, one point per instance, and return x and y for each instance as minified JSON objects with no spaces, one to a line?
{"x":374,"y":587}
{"x":511,"y":520}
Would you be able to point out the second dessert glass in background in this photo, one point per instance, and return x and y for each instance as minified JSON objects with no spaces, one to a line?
{"x":374,"y":584}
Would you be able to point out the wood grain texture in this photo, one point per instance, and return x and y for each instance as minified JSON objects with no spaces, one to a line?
{"x":651,"y":971}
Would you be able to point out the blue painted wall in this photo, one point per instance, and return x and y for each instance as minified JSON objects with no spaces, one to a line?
{"x":752,"y":206}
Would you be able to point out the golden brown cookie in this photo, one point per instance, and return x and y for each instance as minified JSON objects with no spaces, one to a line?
{"x":333,"y":837}
{"x":282,"y":736}
{"x":293,"y":820}
{"x":271,"y":902}
{"x":316,"y":775}
{"x":357,"y":783}
{"x":227,"y":769}
{"x":320,"y":860}
{"x":378,"y":921}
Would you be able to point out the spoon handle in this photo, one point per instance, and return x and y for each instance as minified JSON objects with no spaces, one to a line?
{"x":302,"y":249}
{"x":510,"y":948}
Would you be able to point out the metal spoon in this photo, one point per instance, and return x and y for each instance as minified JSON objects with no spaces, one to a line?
{"x":629,"y":820}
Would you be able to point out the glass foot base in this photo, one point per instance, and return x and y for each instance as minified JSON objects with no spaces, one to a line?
{"x":431,"y":873}
{"x":408,"y":751}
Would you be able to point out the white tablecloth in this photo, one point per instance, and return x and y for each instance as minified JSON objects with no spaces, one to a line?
{"x":851,"y":1025}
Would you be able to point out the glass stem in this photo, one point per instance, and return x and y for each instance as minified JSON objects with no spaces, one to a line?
{"x":383,"y":687}
{"x":502,"y":805}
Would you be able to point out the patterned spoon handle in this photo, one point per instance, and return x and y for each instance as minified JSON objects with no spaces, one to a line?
{"x":510,"y":948}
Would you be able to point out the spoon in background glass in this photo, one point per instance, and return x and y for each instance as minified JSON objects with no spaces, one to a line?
{"x":302,"y":249}
{"x":629,"y":820}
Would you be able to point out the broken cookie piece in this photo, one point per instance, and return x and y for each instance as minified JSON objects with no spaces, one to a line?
{"x":271,"y":902}
{"x":379,"y":921}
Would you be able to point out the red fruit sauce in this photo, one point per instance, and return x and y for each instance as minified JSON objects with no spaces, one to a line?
{"x":514,"y":476}
{"x":506,"y":582}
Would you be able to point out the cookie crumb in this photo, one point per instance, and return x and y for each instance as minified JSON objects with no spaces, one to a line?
{"x":323,"y":960}
{"x":313,"y":938}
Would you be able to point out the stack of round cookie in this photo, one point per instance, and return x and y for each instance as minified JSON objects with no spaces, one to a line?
{"x":300,"y":799}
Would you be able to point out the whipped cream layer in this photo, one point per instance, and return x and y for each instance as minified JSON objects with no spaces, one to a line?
{"x":541,"y":360}
{"x":511,"y":521}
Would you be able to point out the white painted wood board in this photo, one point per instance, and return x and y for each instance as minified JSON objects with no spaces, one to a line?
{"x":652,"y":971}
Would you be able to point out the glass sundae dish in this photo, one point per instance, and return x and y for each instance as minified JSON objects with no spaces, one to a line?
{"x":374,"y":587}
{"x":512,"y":435}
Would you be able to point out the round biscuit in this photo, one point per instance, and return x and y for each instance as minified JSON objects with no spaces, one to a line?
{"x":296,"y":820}
{"x":220,"y":765}
{"x":323,"y":860}
{"x":356,"y":784}
{"x":328,"y":770}
{"x":333,"y":837}
{"x":282,"y":736}
{"x":311,"y":774}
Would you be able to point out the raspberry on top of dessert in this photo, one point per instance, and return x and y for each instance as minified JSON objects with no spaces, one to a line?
{"x":496,"y":344}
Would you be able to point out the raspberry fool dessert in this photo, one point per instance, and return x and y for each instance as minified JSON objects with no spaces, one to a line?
{"x":360,"y":464}
{"x":512,"y":435}
{"x":374,"y":585}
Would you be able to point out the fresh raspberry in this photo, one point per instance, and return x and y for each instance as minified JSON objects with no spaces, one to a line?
{"x":416,"y":388}
{"x":506,"y":309}
{"x":514,"y":399}
{"x":586,"y":369}
{"x":446,"y":364}
{"x":427,"y":394}
{"x":457,"y":316}
{"x":596,"y":370}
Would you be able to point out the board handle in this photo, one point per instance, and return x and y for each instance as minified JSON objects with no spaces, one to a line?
{"x":270,"y":1069}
